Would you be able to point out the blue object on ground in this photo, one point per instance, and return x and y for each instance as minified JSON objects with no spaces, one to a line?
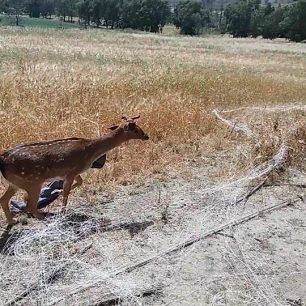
{"x":47,"y":195}
{"x":51,"y":192}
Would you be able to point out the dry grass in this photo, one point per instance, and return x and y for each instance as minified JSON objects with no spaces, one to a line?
{"x":55,"y":84}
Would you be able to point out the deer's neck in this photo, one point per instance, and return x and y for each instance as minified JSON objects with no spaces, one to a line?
{"x":106,"y":143}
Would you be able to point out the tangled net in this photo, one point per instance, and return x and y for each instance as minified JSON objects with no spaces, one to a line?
{"x":82,"y":258}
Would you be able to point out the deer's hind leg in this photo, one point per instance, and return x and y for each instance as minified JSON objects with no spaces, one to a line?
{"x":4,"y":200}
{"x":32,"y":199}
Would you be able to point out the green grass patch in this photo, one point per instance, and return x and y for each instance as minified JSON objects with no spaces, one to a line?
{"x":25,"y":21}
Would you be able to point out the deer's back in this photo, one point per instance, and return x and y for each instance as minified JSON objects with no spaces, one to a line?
{"x":46,"y":159}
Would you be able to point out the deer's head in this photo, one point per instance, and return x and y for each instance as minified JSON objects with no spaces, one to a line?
{"x":130,"y":128}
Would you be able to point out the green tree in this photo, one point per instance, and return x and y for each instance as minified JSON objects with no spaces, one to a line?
{"x":16,"y":8}
{"x":83,"y":8}
{"x":271,"y":25}
{"x":294,"y":24}
{"x":66,"y":8}
{"x":130,"y":14}
{"x":259,"y":19}
{"x":112,"y":13}
{"x":155,"y":14}
{"x":190,"y":17}
{"x":3,"y":6}
{"x":97,"y":11}
{"x":144,"y":15}
{"x":256,"y":22}
{"x":47,"y":8}
{"x":238,"y":17}
{"x":33,"y":8}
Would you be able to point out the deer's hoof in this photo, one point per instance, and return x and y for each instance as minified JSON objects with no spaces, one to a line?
{"x":12,"y":221}
{"x":38,"y":215}
{"x":41,"y":216}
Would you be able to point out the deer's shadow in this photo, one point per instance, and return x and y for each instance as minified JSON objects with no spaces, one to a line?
{"x":82,"y":226}
{"x":76,"y":220}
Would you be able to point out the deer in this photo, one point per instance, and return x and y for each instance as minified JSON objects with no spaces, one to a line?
{"x":28,"y":166}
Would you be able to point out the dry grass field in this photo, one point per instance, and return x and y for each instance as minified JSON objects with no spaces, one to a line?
{"x":56,"y":84}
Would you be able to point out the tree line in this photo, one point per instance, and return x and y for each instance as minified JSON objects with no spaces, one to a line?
{"x":243,"y":18}
{"x":145,"y":15}
{"x":248,"y":18}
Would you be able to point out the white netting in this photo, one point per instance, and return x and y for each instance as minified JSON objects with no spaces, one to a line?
{"x":84,"y":257}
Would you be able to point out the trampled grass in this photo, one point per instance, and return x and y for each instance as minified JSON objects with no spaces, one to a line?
{"x":56,"y":83}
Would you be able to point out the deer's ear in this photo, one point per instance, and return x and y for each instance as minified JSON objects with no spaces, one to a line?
{"x":131,"y":126}
{"x":113,"y":127}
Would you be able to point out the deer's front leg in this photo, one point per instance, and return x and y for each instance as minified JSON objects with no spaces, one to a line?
{"x":67,"y":188}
